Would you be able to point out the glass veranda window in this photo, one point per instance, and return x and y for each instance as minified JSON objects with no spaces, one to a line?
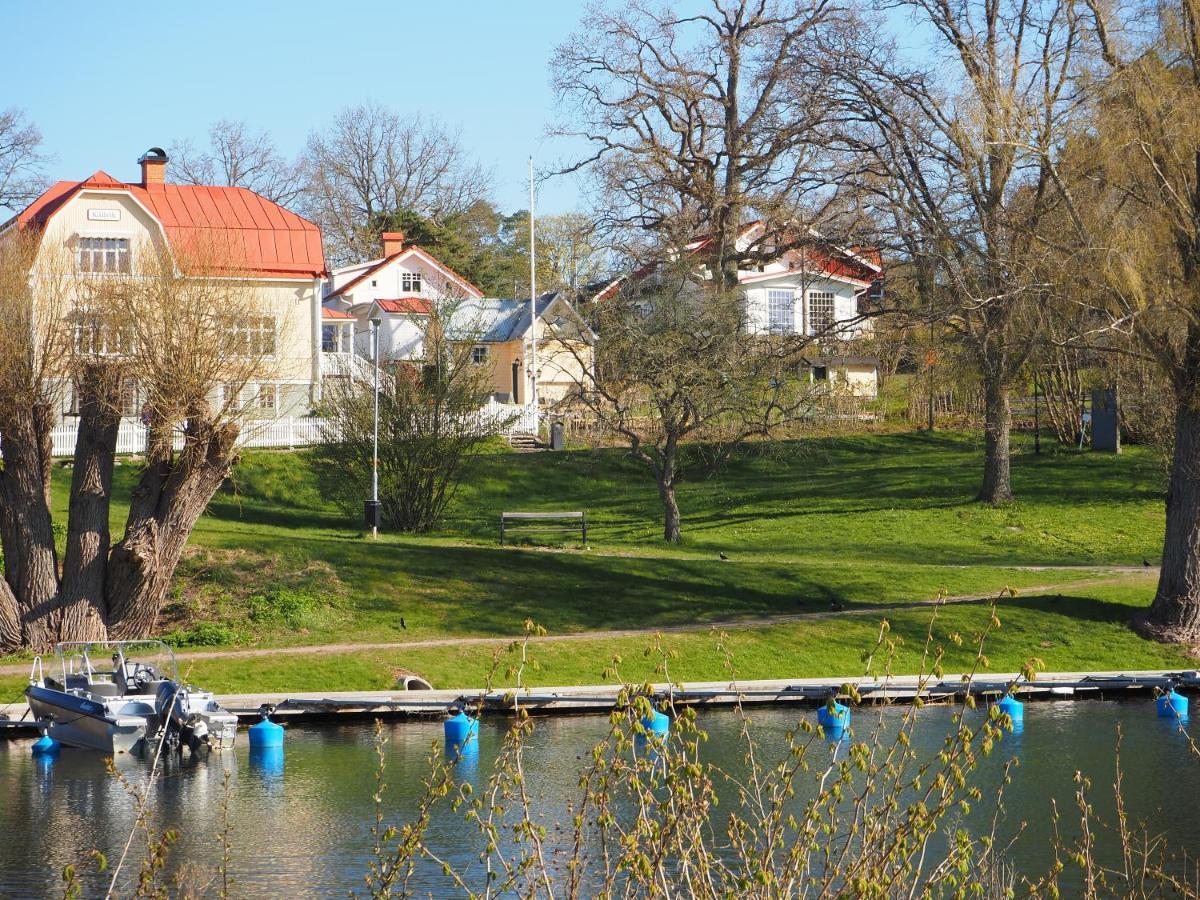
{"x":820,"y":311}
{"x":781,"y":311}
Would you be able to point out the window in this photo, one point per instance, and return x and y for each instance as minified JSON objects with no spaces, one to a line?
{"x":266,"y":398}
{"x":254,"y":336}
{"x":95,"y":335}
{"x":130,"y":408}
{"x":781,"y":312}
{"x":231,"y":396}
{"x":374,"y":283}
{"x":410,"y":282}
{"x":329,"y":338}
{"x":96,"y":254}
{"x":820,"y":373}
{"x":820,"y":311}
{"x":479,"y":355}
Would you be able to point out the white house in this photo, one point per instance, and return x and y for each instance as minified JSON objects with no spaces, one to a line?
{"x":399,"y":288}
{"x":819,"y":289}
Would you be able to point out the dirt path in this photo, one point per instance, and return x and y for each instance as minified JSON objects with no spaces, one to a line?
{"x":1111,"y":575}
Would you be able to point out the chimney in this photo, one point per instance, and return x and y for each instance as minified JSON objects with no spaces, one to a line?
{"x":154,"y":166}
{"x":393,"y":242}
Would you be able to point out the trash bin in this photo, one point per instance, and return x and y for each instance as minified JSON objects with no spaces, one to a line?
{"x":557,"y":442}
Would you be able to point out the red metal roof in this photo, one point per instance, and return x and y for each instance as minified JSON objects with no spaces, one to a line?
{"x":327,"y":313}
{"x":406,"y":305}
{"x":240,"y":230}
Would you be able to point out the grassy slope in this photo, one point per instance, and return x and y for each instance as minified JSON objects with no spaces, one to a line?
{"x":859,"y":520}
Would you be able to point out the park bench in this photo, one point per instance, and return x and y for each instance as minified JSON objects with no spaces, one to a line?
{"x":543,"y":522}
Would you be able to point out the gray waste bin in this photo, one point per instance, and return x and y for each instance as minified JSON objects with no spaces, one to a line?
{"x":557,"y":442}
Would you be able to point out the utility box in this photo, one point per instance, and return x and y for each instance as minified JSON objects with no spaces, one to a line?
{"x":557,"y":441}
{"x":1106,"y":429}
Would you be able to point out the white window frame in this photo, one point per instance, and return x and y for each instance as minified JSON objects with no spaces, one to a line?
{"x":779,"y":322}
{"x":266,"y":398}
{"x":114,"y":253}
{"x":411,"y":283}
{"x":815,"y":326}
{"x":256,"y":336}
{"x":93,"y":335}
{"x":480,"y":354}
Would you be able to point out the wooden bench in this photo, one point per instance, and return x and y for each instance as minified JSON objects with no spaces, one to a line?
{"x":533,"y":521}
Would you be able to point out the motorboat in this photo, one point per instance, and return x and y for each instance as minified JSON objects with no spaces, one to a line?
{"x":125,"y":697}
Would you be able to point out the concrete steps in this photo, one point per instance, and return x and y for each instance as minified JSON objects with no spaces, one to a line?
{"x":524,"y":442}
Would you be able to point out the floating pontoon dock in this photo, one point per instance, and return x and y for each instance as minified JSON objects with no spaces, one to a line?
{"x":351,"y":706}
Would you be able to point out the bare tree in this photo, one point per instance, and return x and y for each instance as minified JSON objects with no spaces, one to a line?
{"x":176,"y":331}
{"x":698,"y":122}
{"x":21,"y":160}
{"x":958,"y":156}
{"x":569,"y":253}
{"x":371,"y":162}
{"x":239,"y":157}
{"x":680,"y":382}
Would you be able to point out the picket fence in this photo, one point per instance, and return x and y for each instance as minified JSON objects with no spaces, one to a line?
{"x":284,"y":432}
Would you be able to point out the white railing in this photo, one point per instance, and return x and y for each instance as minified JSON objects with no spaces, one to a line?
{"x":284,"y":432}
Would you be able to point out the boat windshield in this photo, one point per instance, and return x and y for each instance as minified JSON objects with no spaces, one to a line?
{"x":102,"y":661}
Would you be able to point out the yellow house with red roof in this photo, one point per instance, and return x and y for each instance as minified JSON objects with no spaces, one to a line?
{"x":103,"y":224}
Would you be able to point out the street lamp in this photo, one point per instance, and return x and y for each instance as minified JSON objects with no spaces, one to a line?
{"x":371,"y":507}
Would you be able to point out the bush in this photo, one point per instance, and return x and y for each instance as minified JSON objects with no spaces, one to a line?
{"x":205,"y":634}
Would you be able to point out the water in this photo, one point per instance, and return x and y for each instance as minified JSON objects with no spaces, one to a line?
{"x":302,"y":825}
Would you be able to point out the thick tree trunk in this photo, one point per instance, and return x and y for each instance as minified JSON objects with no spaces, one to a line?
{"x":997,"y":421}
{"x":30,"y":561}
{"x":171,"y":496}
{"x":84,"y":609}
{"x":1175,"y":613}
{"x":666,"y":492}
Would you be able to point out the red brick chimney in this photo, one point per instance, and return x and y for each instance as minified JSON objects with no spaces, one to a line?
{"x":154,"y":166}
{"x":393,"y":242}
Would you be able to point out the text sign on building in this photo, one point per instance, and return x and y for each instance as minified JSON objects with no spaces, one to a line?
{"x":104,"y":215}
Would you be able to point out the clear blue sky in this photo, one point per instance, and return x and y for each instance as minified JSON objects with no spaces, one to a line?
{"x":105,"y":82}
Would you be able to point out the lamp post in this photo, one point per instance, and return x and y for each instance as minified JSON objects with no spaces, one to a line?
{"x":371,"y":507}
{"x":1037,"y":424}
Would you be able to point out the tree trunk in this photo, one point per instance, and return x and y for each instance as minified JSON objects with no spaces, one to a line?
{"x":30,"y":560}
{"x":84,"y":608}
{"x":666,"y":492}
{"x":1175,"y":613}
{"x":997,"y":421}
{"x":171,"y":495}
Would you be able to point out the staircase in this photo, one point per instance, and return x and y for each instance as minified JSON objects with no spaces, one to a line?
{"x":524,"y":442}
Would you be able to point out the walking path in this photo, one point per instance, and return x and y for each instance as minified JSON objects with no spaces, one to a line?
{"x":1106,"y":575}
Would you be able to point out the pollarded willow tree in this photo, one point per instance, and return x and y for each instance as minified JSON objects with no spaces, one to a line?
{"x":168,"y":330}
{"x":956,"y":153}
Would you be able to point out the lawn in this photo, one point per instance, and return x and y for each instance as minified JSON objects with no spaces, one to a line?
{"x":838,"y":523}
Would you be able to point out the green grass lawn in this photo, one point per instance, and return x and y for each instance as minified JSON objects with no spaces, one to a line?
{"x":855,"y":521}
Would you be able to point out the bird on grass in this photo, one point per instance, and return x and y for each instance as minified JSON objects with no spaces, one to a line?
{"x":724,"y":558}
{"x":1146,"y":563}
{"x":402,"y":625}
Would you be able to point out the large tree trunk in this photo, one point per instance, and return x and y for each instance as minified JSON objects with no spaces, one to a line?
{"x":30,"y":561}
{"x":997,"y":421}
{"x":84,"y":608}
{"x":1175,"y":613}
{"x":171,"y":495}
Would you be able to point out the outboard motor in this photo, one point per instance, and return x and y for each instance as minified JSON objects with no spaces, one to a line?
{"x":172,"y":703}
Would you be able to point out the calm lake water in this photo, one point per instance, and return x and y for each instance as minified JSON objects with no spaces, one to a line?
{"x":301,"y":826}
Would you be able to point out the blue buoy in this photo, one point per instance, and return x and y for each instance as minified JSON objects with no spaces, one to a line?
{"x":657,"y":725}
{"x":266,"y":733}
{"x":267,"y":760}
{"x":45,"y":746}
{"x":837,"y":718}
{"x":1014,"y":708}
{"x":460,"y":730}
{"x":1173,"y":705}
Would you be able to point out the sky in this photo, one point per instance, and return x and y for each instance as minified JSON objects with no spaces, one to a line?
{"x":105,"y":82}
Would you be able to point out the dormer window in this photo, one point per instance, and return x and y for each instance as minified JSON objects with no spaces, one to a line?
{"x":410,"y":282}
{"x":102,"y":254}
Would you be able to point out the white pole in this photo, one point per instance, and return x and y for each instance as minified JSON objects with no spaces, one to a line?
{"x":375,"y":440}
{"x":533,"y":394}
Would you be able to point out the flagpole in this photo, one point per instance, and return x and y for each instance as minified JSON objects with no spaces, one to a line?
{"x":533,"y":394}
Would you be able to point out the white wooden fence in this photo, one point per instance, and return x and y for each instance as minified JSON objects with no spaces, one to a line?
{"x":287,"y":431}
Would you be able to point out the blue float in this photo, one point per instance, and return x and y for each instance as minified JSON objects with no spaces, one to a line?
{"x":267,"y":761}
{"x":1014,"y":709}
{"x":657,"y":725}
{"x":45,"y":746}
{"x":460,"y":730}
{"x":835,"y":718}
{"x":266,"y":733}
{"x":1173,"y":705}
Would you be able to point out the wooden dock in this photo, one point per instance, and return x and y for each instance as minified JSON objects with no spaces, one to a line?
{"x":579,"y":700}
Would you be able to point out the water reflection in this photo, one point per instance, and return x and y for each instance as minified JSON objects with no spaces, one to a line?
{"x":301,"y":818}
